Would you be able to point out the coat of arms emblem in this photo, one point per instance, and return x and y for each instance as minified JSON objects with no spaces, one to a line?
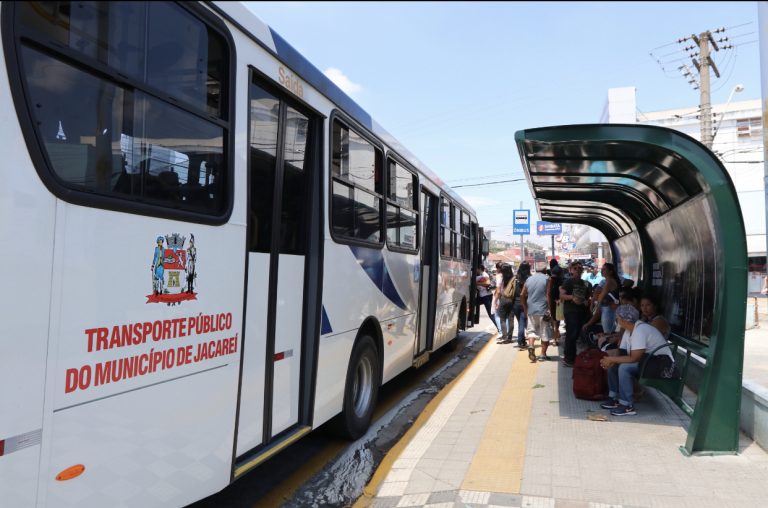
{"x":173,"y":270}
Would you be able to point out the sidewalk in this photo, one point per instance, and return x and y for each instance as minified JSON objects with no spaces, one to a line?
{"x":509,"y":432}
{"x":756,"y":354}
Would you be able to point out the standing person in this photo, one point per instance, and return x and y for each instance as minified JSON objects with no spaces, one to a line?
{"x":505,"y":303}
{"x":608,"y":298}
{"x":553,"y":296}
{"x":641,"y":340}
{"x":575,"y":293}
{"x":497,"y":282}
{"x":191,"y":264}
{"x":523,"y":272}
{"x":534,"y":300}
{"x":484,"y":296}
{"x":157,"y":267}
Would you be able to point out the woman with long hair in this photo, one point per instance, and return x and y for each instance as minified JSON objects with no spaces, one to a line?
{"x":608,"y":298}
{"x":649,"y":312}
{"x":523,"y":272}
{"x":504,"y":305}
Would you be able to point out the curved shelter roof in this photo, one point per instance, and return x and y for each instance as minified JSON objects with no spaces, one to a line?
{"x":671,"y":215}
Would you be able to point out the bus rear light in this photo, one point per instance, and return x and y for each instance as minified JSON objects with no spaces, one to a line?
{"x":70,"y":472}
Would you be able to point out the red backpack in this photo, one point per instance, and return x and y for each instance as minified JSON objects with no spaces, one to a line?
{"x":590,"y":380}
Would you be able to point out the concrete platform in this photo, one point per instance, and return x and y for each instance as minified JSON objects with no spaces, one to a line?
{"x":509,"y":432}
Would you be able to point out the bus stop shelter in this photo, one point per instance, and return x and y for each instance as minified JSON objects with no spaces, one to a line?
{"x":670,"y":213}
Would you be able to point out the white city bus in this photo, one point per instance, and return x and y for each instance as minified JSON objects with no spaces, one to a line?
{"x":208,"y":250}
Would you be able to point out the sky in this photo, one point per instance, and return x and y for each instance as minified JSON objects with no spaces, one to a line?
{"x":454,"y":81}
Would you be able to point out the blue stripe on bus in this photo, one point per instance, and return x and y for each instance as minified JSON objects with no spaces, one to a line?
{"x":372,"y":261}
{"x":325,"y":325}
{"x":318,"y":80}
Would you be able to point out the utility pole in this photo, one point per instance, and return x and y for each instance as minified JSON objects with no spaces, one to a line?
{"x":705,"y":103}
{"x":701,"y":57}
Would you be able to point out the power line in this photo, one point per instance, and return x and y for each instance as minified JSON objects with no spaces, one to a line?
{"x":488,"y":183}
{"x":506,"y":173}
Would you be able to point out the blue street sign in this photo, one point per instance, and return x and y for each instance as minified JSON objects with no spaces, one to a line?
{"x":521,"y":224}
{"x":548,"y":228}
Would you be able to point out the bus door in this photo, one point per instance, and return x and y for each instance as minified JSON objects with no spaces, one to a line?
{"x":429,"y":271}
{"x":280,"y":175}
{"x":474,"y":305}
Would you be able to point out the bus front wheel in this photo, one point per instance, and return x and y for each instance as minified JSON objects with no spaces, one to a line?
{"x":361,"y":388}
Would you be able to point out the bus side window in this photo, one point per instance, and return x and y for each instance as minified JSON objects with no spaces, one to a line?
{"x":104,"y":136}
{"x":356,"y":212}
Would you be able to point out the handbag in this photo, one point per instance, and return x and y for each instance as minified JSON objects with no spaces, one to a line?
{"x":559,"y":311}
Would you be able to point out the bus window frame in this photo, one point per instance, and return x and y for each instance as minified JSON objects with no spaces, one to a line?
{"x":451,"y":205}
{"x":13,"y":38}
{"x":397,"y":159}
{"x":361,"y":131}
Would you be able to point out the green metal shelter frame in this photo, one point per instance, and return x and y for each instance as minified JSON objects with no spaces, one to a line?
{"x":670,"y":213}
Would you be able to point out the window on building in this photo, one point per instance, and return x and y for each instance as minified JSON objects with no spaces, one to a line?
{"x":749,"y":128}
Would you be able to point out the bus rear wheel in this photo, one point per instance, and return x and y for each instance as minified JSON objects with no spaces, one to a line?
{"x":361,"y":388}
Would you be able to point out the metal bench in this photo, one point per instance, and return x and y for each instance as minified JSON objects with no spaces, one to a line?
{"x":673,"y":387}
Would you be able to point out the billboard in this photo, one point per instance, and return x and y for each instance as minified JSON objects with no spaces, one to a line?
{"x":548,"y":228}
{"x":521,"y":223}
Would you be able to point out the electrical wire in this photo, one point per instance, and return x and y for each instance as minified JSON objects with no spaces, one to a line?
{"x":514,"y":180}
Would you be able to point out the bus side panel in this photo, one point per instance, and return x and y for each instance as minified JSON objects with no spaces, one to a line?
{"x":453,"y":284}
{"x":166,"y":445}
{"x":331,"y":375}
{"x":400,"y":333}
{"x":363,"y":282}
{"x":27,"y":215}
{"x":250,"y":431}
{"x":144,"y":385}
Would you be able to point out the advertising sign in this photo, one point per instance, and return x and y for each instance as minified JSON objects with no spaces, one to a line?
{"x":548,"y":228}
{"x":521,"y":224}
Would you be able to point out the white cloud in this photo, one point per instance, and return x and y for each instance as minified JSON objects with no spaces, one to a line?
{"x":342,"y":81}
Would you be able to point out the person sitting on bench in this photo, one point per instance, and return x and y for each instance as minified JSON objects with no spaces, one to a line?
{"x":641,"y":339}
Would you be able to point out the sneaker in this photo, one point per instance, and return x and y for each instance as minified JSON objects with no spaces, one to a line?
{"x":610,"y":404}
{"x":542,"y":358}
{"x":531,"y":354}
{"x":566,"y":363}
{"x":623,"y":410}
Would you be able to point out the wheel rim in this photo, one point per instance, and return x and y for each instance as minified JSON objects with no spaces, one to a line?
{"x":363,"y":386}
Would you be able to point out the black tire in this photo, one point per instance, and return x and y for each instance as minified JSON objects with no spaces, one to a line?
{"x":461,"y":324}
{"x":361,"y":389}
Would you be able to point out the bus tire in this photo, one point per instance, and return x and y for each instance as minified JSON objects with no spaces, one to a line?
{"x":361,"y":388}
{"x":461,"y":324}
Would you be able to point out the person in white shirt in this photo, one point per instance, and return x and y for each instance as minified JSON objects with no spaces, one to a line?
{"x":640,"y":339}
{"x":484,"y":295}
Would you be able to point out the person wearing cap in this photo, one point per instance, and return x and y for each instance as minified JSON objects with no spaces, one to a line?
{"x":640,"y":339}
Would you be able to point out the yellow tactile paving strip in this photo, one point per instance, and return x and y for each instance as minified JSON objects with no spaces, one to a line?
{"x":498,"y":463}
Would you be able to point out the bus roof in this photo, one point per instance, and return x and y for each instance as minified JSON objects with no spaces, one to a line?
{"x":250,"y":24}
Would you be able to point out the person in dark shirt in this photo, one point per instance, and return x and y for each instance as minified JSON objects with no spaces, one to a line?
{"x":575,"y":294}
{"x":553,"y":292}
